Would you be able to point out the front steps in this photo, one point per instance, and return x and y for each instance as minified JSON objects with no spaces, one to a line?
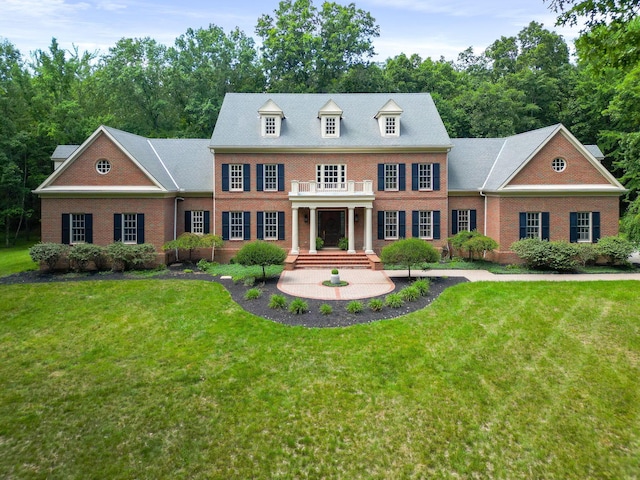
{"x":333,"y":259}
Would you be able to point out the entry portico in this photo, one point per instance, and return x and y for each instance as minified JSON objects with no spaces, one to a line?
{"x":320,"y":197}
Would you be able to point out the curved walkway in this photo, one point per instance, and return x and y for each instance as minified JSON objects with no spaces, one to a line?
{"x":307,"y":283}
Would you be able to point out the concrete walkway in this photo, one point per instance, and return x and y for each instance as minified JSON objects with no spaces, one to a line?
{"x":307,"y":283}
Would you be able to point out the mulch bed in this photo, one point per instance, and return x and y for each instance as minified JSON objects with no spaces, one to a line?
{"x":312,"y":318}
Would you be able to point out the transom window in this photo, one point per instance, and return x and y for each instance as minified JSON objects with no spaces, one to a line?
{"x":235,"y":177}
{"x":425,"y":224}
{"x":425,"y":176}
{"x":271,"y":177}
{"x":270,"y":125}
{"x":129,"y":228}
{"x":584,"y":226}
{"x":558,"y":164}
{"x":390,"y":225}
{"x":331,"y":177}
{"x":197,"y":222}
{"x":78,"y":230}
{"x":103,"y":167}
{"x":236,"y":226}
{"x":463,"y":220}
{"x":533,"y":225}
{"x":391,"y":176}
{"x":270,"y":225}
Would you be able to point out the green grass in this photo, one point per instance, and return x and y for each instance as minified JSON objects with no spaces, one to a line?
{"x":16,"y":259}
{"x":157,"y":379}
{"x":238,"y":273}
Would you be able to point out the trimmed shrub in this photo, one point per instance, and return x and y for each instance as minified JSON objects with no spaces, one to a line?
{"x":393,"y":300}
{"x":48,"y":253}
{"x":253,"y":294}
{"x":587,"y":254}
{"x":277,"y":301}
{"x":355,"y":306}
{"x":615,"y":249}
{"x":82,"y":254}
{"x":408,"y":253}
{"x":128,"y":257}
{"x":261,"y":253}
{"x":423,"y":286}
{"x":473,"y":243}
{"x":298,"y":306}
{"x":326,"y":309}
{"x":376,"y":304}
{"x":559,"y":256}
{"x":409,"y":294}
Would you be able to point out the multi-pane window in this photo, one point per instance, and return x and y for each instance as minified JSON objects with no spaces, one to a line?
{"x":271,"y":177}
{"x":236,"y":177}
{"x":425,"y":224}
{"x":390,"y":225}
{"x":129,"y":228}
{"x":103,"y":166}
{"x":270,"y":225}
{"x":197,"y":221}
{"x":390,"y":126}
{"x":270,"y":126}
{"x":77,"y":222}
{"x":425,"y":176}
{"x":331,"y":177}
{"x":236,"y":226}
{"x":584,"y":226}
{"x":330,"y":127}
{"x":533,"y":225}
{"x":391,"y":176}
{"x":463,"y":220}
{"x":558,"y":164}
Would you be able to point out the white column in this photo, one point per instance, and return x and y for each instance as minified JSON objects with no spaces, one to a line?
{"x":368,"y":234}
{"x":352,"y":232}
{"x":313,"y":227}
{"x":295,"y":248}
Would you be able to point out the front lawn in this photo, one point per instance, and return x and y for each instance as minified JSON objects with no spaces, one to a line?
{"x":16,"y":259}
{"x":171,"y":379}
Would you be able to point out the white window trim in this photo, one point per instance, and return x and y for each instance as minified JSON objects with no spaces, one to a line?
{"x":274,"y":168}
{"x":428,"y":224}
{"x":233,"y":216}
{"x":429,"y":175}
{"x":277,"y":123}
{"x":325,"y":125}
{"x":321,"y":176}
{"x":132,"y":218}
{"x":81,"y":231}
{"x":387,"y":223}
{"x":103,"y":166}
{"x":394,"y":171}
{"x":274,"y":226}
{"x":382,"y":122}
{"x":197,"y":222}
{"x":467,"y":215}
{"x":590,"y":227}
{"x":234,"y":170}
{"x":539,"y":226}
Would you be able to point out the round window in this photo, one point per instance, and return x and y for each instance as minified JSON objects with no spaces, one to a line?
{"x":558,"y":165}
{"x":103,"y":166}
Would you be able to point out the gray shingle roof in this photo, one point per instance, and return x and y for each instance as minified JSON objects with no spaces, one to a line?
{"x":239,"y":126}
{"x":62,"y":152}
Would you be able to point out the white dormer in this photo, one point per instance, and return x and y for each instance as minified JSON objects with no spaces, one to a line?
{"x":389,"y":119}
{"x":271,"y":116}
{"x":330,"y":116}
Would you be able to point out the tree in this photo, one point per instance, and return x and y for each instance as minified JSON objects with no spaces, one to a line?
{"x":261,"y":253}
{"x":192,"y":241}
{"x":409,"y":252}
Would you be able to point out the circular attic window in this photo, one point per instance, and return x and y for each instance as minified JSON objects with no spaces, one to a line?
{"x":103,"y":167}
{"x":558,"y":164}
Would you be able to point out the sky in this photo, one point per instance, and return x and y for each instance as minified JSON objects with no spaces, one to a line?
{"x":430,"y":28}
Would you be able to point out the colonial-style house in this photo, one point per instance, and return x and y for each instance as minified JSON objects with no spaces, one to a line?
{"x":361,"y":170}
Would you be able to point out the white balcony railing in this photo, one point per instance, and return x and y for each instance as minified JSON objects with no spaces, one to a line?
{"x":315,"y":188}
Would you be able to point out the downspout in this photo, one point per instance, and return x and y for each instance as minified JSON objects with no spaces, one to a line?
{"x":213,"y":192}
{"x":482,"y":194}
{"x":175,"y":221}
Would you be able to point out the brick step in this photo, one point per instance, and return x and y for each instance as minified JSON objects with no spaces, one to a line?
{"x":332,"y":260}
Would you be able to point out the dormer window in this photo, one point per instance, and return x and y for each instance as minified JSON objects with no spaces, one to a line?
{"x":389,"y":119}
{"x":270,"y":119}
{"x":330,"y":115}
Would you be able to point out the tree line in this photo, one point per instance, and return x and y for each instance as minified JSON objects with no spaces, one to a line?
{"x":518,"y":83}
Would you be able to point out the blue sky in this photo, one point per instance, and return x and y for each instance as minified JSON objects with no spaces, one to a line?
{"x":430,"y":28}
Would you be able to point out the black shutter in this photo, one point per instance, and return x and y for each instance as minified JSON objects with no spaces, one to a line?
{"x":436,"y":176}
{"x":88,"y":228}
{"x":402,"y":177}
{"x":381,"y":177}
{"x":414,"y":177}
{"x":415,"y":222}
{"x":225,"y":225}
{"x":595,"y":233}
{"x":207,"y":221}
{"x":260,"y":177}
{"x":380,"y":225}
{"x":247,"y":225}
{"x":246,"y":177}
{"x":280,"y":225}
{"x":573,"y":227}
{"x":187,"y":221}
{"x":66,"y":228}
{"x":523,"y":225}
{"x":225,"y":177}
{"x":281,"y":177}
{"x":454,"y":222}
{"x":140,"y":228}
{"x":402,"y":224}
{"x":545,"y":226}
{"x":436,"y":224}
{"x":472,"y":220}
{"x":117,"y":227}
{"x":260,"y":229}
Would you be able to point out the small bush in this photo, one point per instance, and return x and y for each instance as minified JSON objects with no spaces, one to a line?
{"x":587,"y":254}
{"x":298,"y":306}
{"x":334,"y":271}
{"x":615,"y":249}
{"x":203,"y":265}
{"x":253,"y":294}
{"x":126,"y":257}
{"x":423,"y":286}
{"x":249,"y":281}
{"x":261,"y":253}
{"x":277,"y":301}
{"x":319,"y":243}
{"x":409,"y":294}
{"x":326,"y":309}
{"x":82,"y":254}
{"x":376,"y":304}
{"x":48,"y":253}
{"x":355,"y":306}
{"x":343,"y":243}
{"x":559,"y":256}
{"x":393,"y":300}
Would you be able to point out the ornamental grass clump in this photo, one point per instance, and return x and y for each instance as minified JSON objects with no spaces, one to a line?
{"x":410,"y":293}
{"x":355,"y":306}
{"x":253,"y":294}
{"x":376,"y":304}
{"x":423,"y":286}
{"x":326,"y":309}
{"x":277,"y":301}
{"x":393,"y":300}
{"x":298,"y":306}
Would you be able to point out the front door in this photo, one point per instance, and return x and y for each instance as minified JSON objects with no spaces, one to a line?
{"x":331,"y":226}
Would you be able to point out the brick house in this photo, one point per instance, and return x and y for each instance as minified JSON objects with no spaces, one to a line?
{"x":289,"y":168}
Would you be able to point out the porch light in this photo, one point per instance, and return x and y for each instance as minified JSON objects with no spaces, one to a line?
{"x":306,"y":218}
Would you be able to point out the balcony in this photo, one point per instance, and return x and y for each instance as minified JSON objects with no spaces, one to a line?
{"x":348,"y":188}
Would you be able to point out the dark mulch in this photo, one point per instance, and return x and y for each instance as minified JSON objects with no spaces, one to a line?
{"x":312,"y":318}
